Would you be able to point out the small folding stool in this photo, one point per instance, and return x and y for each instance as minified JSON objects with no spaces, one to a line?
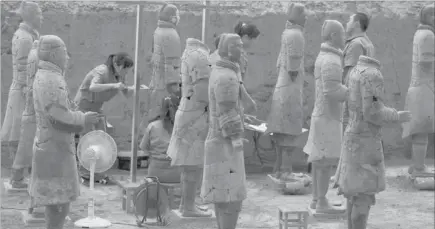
{"x":301,"y":222}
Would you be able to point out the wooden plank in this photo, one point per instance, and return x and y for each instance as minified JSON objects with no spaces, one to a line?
{"x":136,"y":107}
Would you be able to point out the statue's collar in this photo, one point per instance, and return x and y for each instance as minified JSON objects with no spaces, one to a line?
{"x":328,"y":48}
{"x":369,"y":61}
{"x":426,"y":27}
{"x":192,"y":42}
{"x":165,"y":24}
{"x":49,"y":66}
{"x":228,"y":64}
{"x":28,"y":28}
{"x":291,"y":25}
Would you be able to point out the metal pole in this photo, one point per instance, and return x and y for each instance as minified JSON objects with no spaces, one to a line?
{"x":205,"y":20}
{"x":134,"y":128}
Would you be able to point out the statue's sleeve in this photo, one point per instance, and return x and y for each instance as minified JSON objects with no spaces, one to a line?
{"x":294,"y":46}
{"x":172,"y":61}
{"x":200,"y":76}
{"x":24,"y":45}
{"x":426,"y":47}
{"x":226,"y":91}
{"x":352,"y":54}
{"x":55,"y":100}
{"x":332,"y":87}
{"x":373,"y":96}
{"x":32,"y":64}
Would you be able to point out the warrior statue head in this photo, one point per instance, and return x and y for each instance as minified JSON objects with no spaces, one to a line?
{"x":427,"y":15}
{"x":230,"y":47}
{"x":297,"y":14}
{"x":52,"y":49}
{"x":31,"y":14}
{"x":169,"y":13}
{"x":358,"y":23}
{"x":333,"y":33}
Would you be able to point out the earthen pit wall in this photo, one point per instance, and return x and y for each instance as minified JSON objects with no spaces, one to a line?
{"x":91,"y":37}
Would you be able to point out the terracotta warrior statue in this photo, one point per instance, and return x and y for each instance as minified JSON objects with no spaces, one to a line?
{"x":224,"y":179}
{"x":22,"y":43}
{"x":23,"y":157}
{"x":362,"y":170}
{"x":186,"y":148}
{"x":324,"y":140}
{"x":420,"y":96}
{"x":286,"y":115}
{"x":165,"y":60}
{"x":54,"y":178}
{"x":357,"y":43}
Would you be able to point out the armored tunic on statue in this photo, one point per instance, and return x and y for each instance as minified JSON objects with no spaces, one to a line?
{"x":23,"y":158}
{"x":324,"y":140}
{"x":420,"y":97}
{"x":362,"y":169}
{"x":224,"y":178}
{"x":166,"y":61}
{"x":191,"y":120}
{"x":54,"y":170}
{"x":286,"y":114}
{"x":21,"y":46}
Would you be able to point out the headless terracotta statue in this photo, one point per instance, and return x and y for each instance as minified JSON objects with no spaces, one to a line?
{"x":186,"y":147}
{"x":420,"y":97}
{"x":324,"y":140}
{"x":286,"y":115}
{"x":224,"y":179}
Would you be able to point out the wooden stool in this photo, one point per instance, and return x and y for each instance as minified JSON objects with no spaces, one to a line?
{"x":301,"y":222}
{"x":169,"y":188}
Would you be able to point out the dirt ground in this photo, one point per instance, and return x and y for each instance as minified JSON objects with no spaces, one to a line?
{"x":399,"y":207}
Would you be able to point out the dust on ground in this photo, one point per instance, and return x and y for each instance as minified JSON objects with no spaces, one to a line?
{"x":399,"y":207}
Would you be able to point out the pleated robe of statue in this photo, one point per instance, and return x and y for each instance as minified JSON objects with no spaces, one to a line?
{"x":54,"y":175}
{"x":23,"y":158}
{"x":21,"y":45}
{"x":166,"y":61}
{"x":191,"y":119}
{"x":420,"y":97}
{"x":286,"y":116}
{"x":224,"y":178}
{"x":324,"y":139}
{"x":362,"y":169}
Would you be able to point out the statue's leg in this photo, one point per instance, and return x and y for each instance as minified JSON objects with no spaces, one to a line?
{"x":55,"y":215}
{"x":314,"y":177}
{"x":278,"y":161}
{"x":229,"y":214}
{"x":17,"y":179}
{"x":360,"y":210}
{"x":323,"y":170}
{"x":286,"y":163}
{"x":349,"y":207}
{"x":190,"y":183}
{"x":218,"y":214}
{"x":419,"y":151}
